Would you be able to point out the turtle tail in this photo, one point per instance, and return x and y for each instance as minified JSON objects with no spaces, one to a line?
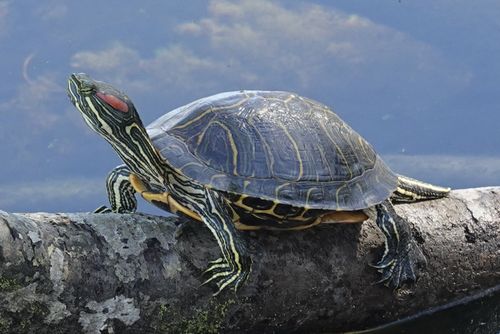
{"x":411,"y":190}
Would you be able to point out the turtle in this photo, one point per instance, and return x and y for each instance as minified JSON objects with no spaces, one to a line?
{"x":252,"y":160}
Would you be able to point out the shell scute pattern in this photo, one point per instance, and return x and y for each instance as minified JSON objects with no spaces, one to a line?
{"x":275,"y":146}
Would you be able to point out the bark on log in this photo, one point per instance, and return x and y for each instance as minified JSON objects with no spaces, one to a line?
{"x":104,"y":273}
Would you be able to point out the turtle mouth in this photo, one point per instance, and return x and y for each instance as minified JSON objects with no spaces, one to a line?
{"x":79,"y":87}
{"x":79,"y":84}
{"x":76,"y":89}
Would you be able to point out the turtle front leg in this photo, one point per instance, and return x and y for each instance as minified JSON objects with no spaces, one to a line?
{"x":121,"y":193}
{"x":402,"y":256}
{"x":234,"y":267}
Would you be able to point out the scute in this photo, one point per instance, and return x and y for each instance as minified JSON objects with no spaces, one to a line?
{"x":276,"y":146}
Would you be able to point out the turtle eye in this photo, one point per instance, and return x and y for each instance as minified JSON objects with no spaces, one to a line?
{"x":113,"y":101}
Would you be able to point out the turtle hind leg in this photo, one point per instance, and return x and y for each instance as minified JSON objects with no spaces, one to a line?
{"x":402,"y":256}
{"x":410,"y":190}
{"x":121,"y":193}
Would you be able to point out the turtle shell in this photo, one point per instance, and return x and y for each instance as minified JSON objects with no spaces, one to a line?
{"x":276,"y":146}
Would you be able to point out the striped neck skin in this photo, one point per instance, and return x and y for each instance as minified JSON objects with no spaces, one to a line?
{"x":139,"y":154}
{"x":111,"y":114}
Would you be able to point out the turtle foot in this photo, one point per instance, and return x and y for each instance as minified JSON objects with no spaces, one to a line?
{"x":105,"y":209}
{"x":403,"y":267}
{"x":402,"y":256}
{"x":225,"y":275}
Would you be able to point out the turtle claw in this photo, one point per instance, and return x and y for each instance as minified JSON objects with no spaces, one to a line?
{"x":389,"y":277}
{"x":216,"y":265}
{"x":222,"y":273}
{"x":387,"y":260}
{"x":103,"y":209}
{"x":402,"y":268}
{"x":215,"y":276}
{"x":218,"y":261}
{"x":384,"y":263}
{"x":210,"y":279}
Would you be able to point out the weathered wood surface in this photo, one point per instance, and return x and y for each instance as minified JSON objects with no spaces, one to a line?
{"x":91,"y":273}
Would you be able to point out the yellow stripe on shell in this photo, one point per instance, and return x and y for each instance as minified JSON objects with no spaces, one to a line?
{"x":234,"y":149}
{"x":337,"y":148}
{"x":296,"y":148}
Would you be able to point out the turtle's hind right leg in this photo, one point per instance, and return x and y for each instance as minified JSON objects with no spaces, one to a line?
{"x":410,"y":190}
{"x":402,"y":255}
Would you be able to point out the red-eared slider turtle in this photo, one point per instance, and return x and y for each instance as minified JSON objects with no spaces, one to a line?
{"x":251,"y":160}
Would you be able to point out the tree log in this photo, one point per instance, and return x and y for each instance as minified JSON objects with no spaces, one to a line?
{"x":110,"y":273}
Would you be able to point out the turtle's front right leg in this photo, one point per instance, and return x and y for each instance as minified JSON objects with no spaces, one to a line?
{"x":121,"y":193}
{"x":233,"y":268}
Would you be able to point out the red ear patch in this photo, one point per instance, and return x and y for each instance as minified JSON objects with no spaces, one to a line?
{"x":113,"y":101}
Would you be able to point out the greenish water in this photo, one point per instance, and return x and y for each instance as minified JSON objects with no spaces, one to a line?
{"x":479,"y":314}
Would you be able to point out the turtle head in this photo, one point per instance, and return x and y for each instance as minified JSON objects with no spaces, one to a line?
{"x":110,"y":113}
{"x":104,"y":108}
